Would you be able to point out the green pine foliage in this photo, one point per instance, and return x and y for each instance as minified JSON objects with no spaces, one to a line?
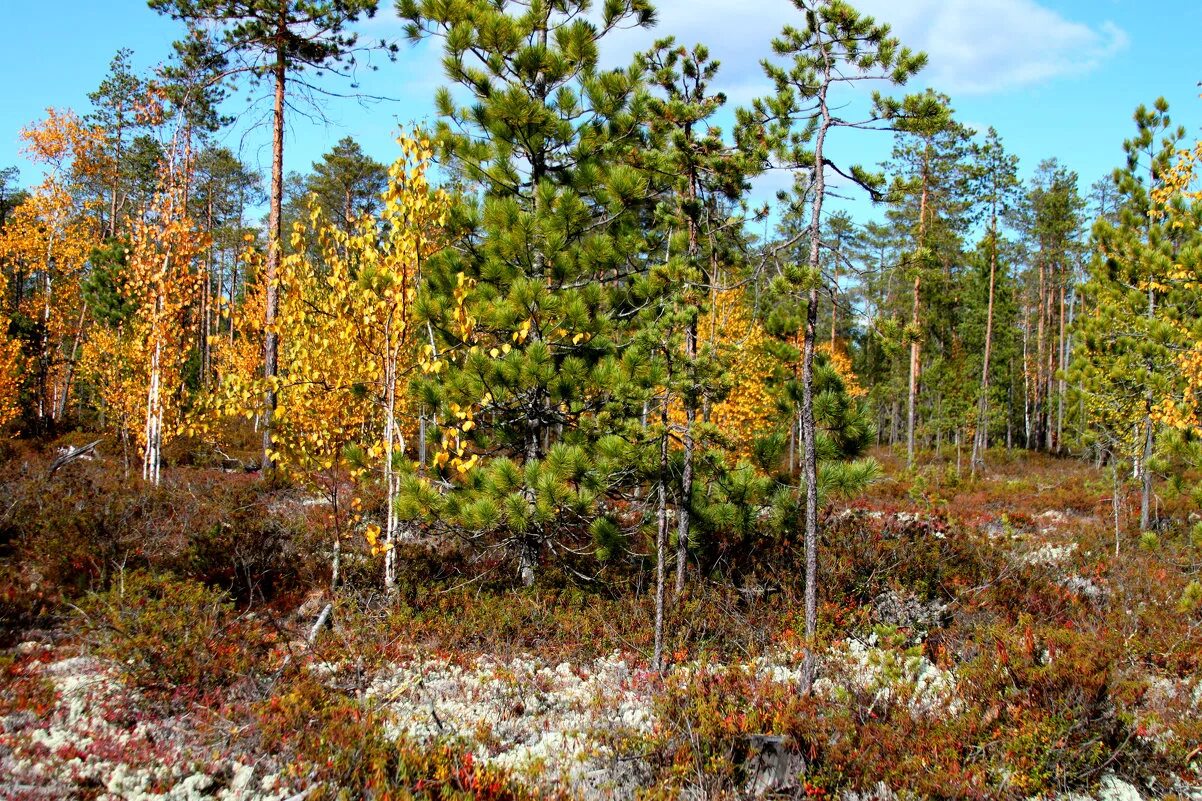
{"x":1123,"y":363}
{"x":550,"y":230}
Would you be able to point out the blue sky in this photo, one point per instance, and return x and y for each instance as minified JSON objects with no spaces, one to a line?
{"x":1057,"y":78}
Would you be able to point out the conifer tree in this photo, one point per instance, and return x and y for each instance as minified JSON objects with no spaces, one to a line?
{"x":841,"y":240}
{"x":348,"y":183}
{"x":194,"y":84}
{"x":277,"y":41}
{"x":838,"y":48}
{"x":994,"y":183}
{"x":115,"y":114}
{"x":880,"y":351}
{"x":549,"y":235}
{"x":1053,"y":223}
{"x":698,"y":174}
{"x":1124,"y":363}
{"x":11,"y":195}
{"x":222,"y":189}
{"x":927,"y":204}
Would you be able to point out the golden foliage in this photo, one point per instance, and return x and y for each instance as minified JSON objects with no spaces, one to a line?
{"x":731,"y":331}
{"x":750,"y":408}
{"x":10,"y":377}
{"x":138,"y":367}
{"x":10,"y":368}
{"x":67,"y":146}
{"x":345,"y":328}
{"x":113,"y":362}
{"x":45,"y":244}
{"x":840,"y":361}
{"x":1173,"y":203}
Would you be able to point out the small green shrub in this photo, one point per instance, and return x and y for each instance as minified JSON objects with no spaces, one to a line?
{"x":1191,"y":597}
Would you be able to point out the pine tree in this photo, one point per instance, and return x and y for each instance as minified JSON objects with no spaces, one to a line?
{"x":1124,"y":363}
{"x":881,"y":346}
{"x":521,"y":315}
{"x":222,"y":188}
{"x":927,"y":204}
{"x":697,"y":173}
{"x":348,"y":183}
{"x":1053,"y":227}
{"x":841,"y":240}
{"x":11,"y":195}
{"x":837,"y":49}
{"x":276,"y":40}
{"x":994,"y":184}
{"x":115,"y":112}
{"x":194,"y":84}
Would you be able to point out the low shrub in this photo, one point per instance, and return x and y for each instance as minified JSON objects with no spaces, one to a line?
{"x":69,"y":534}
{"x":174,"y":635}
{"x":341,"y":748}
{"x":1045,"y":710}
{"x":25,"y":689}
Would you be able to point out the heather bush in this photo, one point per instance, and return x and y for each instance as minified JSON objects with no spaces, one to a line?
{"x":71,"y":533}
{"x":174,"y":635}
{"x":343,"y":750}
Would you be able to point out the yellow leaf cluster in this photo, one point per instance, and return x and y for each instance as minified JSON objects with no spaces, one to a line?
{"x":345,"y":330}
{"x":841,"y":362}
{"x":748,"y":409}
{"x":10,"y":369}
{"x":138,"y":368}
{"x":1180,"y":183}
{"x":46,"y":241}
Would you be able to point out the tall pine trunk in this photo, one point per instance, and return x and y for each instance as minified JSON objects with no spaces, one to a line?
{"x":275,"y":243}
{"x":206,"y":298}
{"x":530,"y":544}
{"x":980,"y":442}
{"x":1039,"y":400}
{"x":690,"y":401}
{"x":686,"y":475}
{"x":915,"y":320}
{"x":808,"y":429}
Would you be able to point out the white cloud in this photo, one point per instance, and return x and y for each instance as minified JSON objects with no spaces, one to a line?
{"x":985,"y":46}
{"x":975,"y":46}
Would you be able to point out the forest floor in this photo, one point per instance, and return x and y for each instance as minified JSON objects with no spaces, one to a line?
{"x":980,"y":638}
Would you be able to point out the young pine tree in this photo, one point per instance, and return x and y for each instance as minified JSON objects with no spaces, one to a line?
{"x":700,"y":179}
{"x":837,"y":49}
{"x":1124,"y":360}
{"x":550,"y":232}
